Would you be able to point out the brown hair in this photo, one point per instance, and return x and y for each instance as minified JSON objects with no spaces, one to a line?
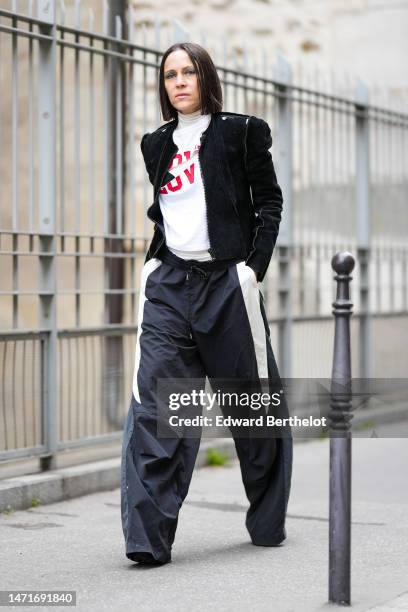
{"x":209,"y":85}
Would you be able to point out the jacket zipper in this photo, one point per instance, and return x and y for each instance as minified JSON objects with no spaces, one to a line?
{"x":210,"y":250}
{"x":253,"y":250}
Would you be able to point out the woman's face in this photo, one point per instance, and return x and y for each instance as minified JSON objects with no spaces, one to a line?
{"x":180,"y":77}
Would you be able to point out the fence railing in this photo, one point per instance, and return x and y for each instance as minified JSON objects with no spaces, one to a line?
{"x":73,"y":230}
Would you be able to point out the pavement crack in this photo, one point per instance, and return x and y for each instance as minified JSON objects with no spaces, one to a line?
{"x":222,"y":507}
{"x":56,"y":513}
{"x":33,"y":526}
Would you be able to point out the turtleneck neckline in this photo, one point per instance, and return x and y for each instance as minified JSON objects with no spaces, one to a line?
{"x":186,"y":119}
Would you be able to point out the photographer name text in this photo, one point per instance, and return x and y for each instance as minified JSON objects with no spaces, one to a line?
{"x":259,"y":421}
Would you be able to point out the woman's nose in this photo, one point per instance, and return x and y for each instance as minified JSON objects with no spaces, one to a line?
{"x":180,"y":79}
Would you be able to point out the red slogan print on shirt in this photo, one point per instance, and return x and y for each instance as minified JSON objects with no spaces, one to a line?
{"x":187,"y":176}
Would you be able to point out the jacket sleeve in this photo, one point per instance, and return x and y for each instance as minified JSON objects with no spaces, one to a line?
{"x":145,"y":152}
{"x":266,"y":195}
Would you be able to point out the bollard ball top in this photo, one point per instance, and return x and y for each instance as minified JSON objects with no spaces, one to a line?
{"x":343,"y":262}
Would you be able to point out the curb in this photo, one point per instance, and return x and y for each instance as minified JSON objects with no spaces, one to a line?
{"x":57,"y":485}
{"x":23,"y":492}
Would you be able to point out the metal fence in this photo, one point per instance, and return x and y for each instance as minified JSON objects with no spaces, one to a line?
{"x":73,"y":230}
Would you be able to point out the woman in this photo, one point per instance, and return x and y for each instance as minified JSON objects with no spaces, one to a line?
{"x":217,"y":208}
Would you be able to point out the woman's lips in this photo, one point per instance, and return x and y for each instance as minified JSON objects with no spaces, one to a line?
{"x":182,"y":96}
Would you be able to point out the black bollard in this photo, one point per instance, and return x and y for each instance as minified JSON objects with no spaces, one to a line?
{"x":340,"y":437}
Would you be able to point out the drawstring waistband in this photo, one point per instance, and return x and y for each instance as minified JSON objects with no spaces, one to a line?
{"x":192,"y":265}
{"x":199,"y":271}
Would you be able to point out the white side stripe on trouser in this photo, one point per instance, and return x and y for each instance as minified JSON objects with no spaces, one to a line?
{"x":250,"y":292}
{"x":147,"y":269}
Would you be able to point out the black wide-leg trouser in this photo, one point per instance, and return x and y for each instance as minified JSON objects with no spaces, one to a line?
{"x":197,"y":319}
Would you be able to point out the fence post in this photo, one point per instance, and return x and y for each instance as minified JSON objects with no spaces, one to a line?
{"x":363,"y":225}
{"x":283,"y":74}
{"x":340,"y":437}
{"x":46,"y":227}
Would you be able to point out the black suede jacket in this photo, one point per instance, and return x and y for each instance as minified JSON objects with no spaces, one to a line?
{"x":243,"y":198}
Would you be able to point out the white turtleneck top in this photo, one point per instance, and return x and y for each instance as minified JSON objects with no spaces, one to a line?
{"x":182,"y":200}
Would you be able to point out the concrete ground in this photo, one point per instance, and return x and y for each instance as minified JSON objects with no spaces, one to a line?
{"x":78,"y":544}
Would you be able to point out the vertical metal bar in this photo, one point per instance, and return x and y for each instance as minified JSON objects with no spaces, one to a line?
{"x":405,"y":146}
{"x":119,"y":134}
{"x":115,"y":265}
{"x":103,"y":385}
{"x":380,"y":259}
{"x":77,"y":259}
{"x":62,"y":133}
{"x":225,"y":87}
{"x":301,"y":251}
{"x":234,"y":86}
{"x":377,"y":151}
{"x":156,"y":98}
{"x":385,"y":152}
{"x":30,"y":127}
{"x":94,"y":402}
{"x":2,"y":63}
{"x":340,"y":146}
{"x":388,"y":134}
{"x":77,"y":123}
{"x":309,"y":139}
{"x":319,"y":249}
{"x":318,"y":132}
{"x":14,"y":127}
{"x":33,"y":395}
{"x":13,"y":394}
{"x":302,"y":164}
{"x":23,"y":399}
{"x":92,"y":120}
{"x":132,"y":266}
{"x":87,"y":405}
{"x":61,"y":369}
{"x":285,"y":239}
{"x":391,"y":271}
{"x":404,"y":279}
{"x":314,"y":136}
{"x":363,"y":225}
{"x":15,"y":279}
{"x":333,"y":140}
{"x":327,"y":134}
{"x":46,"y":198}
{"x":69,"y":404}
{"x":106,"y":138}
{"x":400,"y":275}
{"x":245,"y":91}
{"x":131,"y":230}
{"x":77,"y":388}
{"x":3,"y":395}
{"x":402,"y":135}
{"x":144,"y":128}
{"x":77,"y":165}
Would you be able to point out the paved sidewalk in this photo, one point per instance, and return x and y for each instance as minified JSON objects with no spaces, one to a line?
{"x":90,"y":470}
{"x":78,"y":544}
